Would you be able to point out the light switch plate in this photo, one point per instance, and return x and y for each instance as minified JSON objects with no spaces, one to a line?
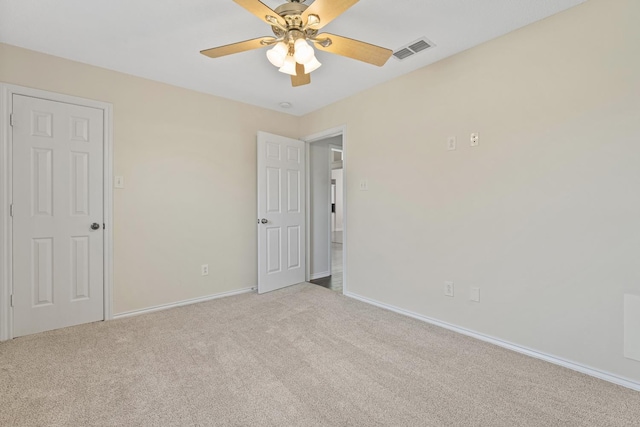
{"x":451,"y":143}
{"x":364,"y":185}
{"x":118,"y":181}
{"x":448,"y":289}
{"x":474,"y":295}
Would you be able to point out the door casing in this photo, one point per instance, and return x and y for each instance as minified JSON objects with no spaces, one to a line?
{"x":336,"y":131}
{"x":6,"y":280}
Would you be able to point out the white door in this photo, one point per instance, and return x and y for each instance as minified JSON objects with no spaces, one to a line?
{"x":57,"y":215}
{"x":281,"y":212}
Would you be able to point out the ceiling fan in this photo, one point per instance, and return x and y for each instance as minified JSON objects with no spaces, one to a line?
{"x":294,"y":25}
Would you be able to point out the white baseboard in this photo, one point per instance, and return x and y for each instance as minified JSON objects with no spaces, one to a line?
{"x":180,"y":303}
{"x":319,"y":275}
{"x":625,"y":382}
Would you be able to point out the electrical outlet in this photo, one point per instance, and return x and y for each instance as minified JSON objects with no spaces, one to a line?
{"x":474,"y":295}
{"x":451,"y":143}
{"x":448,"y":289}
{"x":205,"y":269}
{"x":475,"y":139}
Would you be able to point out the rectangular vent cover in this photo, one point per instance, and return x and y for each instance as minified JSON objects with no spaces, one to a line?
{"x":403,"y":53}
{"x":413,"y":48}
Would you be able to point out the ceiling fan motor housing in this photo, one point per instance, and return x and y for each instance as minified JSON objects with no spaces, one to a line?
{"x":292,"y":14}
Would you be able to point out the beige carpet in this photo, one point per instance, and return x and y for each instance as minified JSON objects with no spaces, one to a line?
{"x":303,"y":356}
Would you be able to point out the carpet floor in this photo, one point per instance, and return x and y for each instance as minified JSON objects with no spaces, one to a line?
{"x":302,"y":356}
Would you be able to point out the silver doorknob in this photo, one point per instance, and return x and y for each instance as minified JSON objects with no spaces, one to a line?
{"x":95,"y":226}
{"x":264,"y":220}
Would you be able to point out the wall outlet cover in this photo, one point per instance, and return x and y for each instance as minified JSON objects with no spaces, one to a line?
{"x":475,"y":139}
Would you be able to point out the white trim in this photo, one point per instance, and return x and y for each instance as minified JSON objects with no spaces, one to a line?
{"x":6,"y":107}
{"x":319,"y":275}
{"x":332,"y":147}
{"x":606,"y":376}
{"x":6,"y":324}
{"x":182,"y":303}
{"x":339,"y":130}
{"x":326,"y":134}
{"x":307,"y":202}
{"x":108,"y":211}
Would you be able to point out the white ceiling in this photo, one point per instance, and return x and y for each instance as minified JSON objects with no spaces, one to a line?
{"x":161,"y":40}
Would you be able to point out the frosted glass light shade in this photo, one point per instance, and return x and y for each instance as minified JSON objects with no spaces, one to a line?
{"x":289,"y":66}
{"x":312,"y":65}
{"x":278,"y":54}
{"x":303,"y":52}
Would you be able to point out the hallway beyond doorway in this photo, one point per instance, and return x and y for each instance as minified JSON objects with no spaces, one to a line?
{"x":333,"y":282}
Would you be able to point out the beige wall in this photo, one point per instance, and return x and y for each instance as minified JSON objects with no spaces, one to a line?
{"x":543,"y":216}
{"x":188,"y":160}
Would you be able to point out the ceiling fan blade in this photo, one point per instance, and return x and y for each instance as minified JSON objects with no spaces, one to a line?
{"x":327,"y":10}
{"x":301,"y":78}
{"x":355,"y":49}
{"x":261,"y":10}
{"x":229,"y":49}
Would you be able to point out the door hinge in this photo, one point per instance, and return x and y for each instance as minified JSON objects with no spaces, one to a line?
{"x":11,"y":300}
{"x":11,"y":210}
{"x":11,"y":119}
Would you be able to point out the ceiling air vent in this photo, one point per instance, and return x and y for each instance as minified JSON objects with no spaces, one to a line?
{"x":413,"y":48}
{"x":403,"y":53}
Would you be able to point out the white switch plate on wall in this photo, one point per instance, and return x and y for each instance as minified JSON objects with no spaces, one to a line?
{"x":474,"y":295}
{"x":118,"y":181}
{"x":448,"y":289}
{"x":451,"y":143}
{"x":364,"y":185}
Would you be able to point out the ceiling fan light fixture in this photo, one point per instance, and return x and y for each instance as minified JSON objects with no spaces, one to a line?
{"x":312,"y":65}
{"x":312,"y":21}
{"x":303,"y":52}
{"x":278,"y":54}
{"x":289,"y":66}
{"x":295,"y":25}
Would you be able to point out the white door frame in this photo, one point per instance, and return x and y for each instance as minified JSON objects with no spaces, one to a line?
{"x":6,"y":139}
{"x":340,"y":130}
{"x":331,"y":148}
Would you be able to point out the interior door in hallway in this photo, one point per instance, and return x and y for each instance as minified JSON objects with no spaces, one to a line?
{"x":57,"y":215}
{"x":281,"y":212}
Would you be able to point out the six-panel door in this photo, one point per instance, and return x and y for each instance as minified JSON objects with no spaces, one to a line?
{"x":281,"y":203}
{"x":57,"y":196}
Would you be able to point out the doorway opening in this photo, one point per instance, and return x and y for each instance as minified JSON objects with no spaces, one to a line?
{"x":326,"y":210}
